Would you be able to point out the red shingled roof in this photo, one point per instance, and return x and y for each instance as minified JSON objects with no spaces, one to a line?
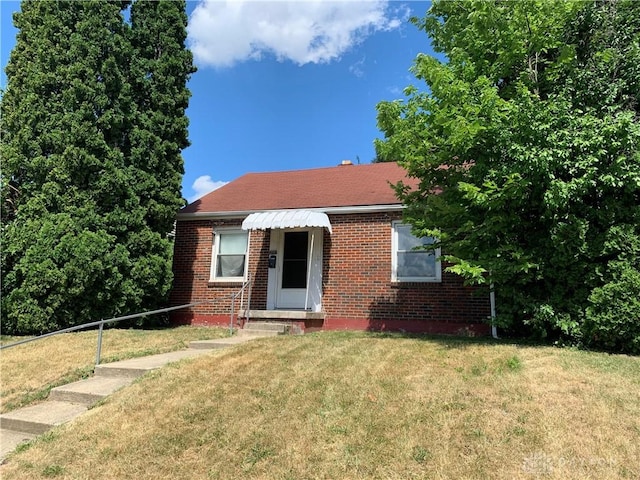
{"x":342,"y":186}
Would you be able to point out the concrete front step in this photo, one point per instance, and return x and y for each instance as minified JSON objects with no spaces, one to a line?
{"x":136,"y":367}
{"x":89,"y":391}
{"x":255,"y":333}
{"x":267,"y":326}
{"x":264,"y":329}
{"x":39,"y":418}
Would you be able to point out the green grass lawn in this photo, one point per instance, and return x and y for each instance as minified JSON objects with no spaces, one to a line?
{"x":349,"y":405}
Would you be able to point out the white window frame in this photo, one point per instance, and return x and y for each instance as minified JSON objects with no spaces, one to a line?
{"x":217,"y":233}
{"x":394,"y":259}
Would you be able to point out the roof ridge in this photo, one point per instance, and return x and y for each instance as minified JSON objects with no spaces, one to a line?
{"x":299,"y":170}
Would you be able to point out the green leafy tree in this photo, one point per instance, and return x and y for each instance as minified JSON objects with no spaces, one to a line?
{"x":529,"y":135}
{"x":84,"y":226}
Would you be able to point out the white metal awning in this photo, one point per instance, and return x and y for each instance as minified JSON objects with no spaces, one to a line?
{"x":286,"y":219}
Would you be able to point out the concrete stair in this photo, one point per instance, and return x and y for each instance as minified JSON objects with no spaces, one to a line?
{"x":68,"y":401}
{"x":89,"y":391}
{"x":39,"y":418}
{"x":264,"y":329}
{"x":250,"y":331}
{"x":136,"y":367}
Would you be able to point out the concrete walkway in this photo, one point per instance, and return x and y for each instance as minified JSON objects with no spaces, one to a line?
{"x":68,"y":401}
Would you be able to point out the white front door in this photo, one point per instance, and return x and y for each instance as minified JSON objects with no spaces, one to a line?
{"x":296,"y":282}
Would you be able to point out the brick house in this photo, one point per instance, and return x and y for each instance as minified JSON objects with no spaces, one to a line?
{"x":323,"y":249}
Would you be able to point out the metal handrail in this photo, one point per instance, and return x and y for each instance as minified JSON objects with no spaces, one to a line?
{"x":248,"y":310}
{"x":234,"y":296}
{"x":101,"y":324}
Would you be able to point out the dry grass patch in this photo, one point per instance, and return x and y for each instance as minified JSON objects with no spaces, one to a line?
{"x":29,"y":371}
{"x":360,"y":406}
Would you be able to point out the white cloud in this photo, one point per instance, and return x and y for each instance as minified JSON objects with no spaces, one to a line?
{"x":222,"y":33}
{"x":203,"y":185}
{"x":358,"y":68}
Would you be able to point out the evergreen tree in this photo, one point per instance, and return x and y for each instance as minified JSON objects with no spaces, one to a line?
{"x":161,"y":67}
{"x":84,"y":228}
{"x":530,"y":133}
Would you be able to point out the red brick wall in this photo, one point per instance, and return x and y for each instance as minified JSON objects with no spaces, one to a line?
{"x":192,"y":270}
{"x":359,"y":293}
{"x":357,"y":289}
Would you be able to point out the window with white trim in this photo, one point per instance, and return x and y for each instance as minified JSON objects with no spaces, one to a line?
{"x":229,"y":263}
{"x":409,"y":262}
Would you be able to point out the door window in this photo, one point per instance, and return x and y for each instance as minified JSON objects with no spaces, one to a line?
{"x":294,"y":260}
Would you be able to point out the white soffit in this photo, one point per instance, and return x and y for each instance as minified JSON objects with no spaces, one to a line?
{"x":286,"y":219}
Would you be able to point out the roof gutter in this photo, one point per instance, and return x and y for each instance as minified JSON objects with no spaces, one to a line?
{"x":328,"y":210}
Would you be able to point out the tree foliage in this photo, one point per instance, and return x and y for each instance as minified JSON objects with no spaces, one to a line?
{"x":529,"y":134}
{"x":93,"y":123}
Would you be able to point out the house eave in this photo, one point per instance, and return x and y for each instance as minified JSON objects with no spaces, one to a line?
{"x":328,"y":210}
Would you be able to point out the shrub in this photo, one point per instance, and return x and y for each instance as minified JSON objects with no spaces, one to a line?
{"x":613,"y":315}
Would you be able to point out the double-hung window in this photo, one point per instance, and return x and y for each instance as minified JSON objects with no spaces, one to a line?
{"x":229,"y":256}
{"x":410,"y":262}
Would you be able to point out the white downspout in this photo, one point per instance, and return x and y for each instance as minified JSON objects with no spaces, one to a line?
{"x":306,"y":297}
{"x":492,"y":301}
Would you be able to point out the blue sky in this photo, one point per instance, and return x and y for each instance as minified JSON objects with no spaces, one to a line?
{"x":285,"y":86}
